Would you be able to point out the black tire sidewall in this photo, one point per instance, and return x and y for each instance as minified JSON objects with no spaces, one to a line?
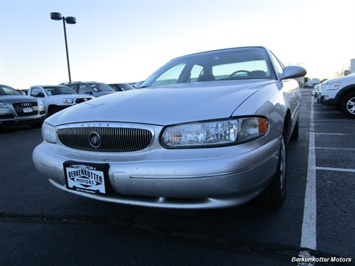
{"x":343,"y":105}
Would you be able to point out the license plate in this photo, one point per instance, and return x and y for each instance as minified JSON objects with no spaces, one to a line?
{"x":27,"y":110}
{"x":86,"y":177}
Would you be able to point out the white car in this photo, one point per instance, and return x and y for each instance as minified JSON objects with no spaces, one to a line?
{"x":341,"y":93}
{"x":57,"y":97}
{"x":316,"y":90}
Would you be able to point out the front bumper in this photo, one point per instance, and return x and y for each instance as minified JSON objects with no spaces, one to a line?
{"x":181,"y":179}
{"x":27,"y":120}
{"x":324,"y":99}
{"x":328,"y":97}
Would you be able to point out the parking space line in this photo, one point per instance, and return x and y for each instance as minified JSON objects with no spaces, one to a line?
{"x":309,"y":237}
{"x":332,"y":134}
{"x":320,"y":121}
{"x":336,"y":169}
{"x":332,"y":148}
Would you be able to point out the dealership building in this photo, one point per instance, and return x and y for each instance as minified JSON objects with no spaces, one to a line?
{"x":352,"y":65}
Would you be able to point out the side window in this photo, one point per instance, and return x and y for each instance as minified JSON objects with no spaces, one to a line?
{"x":73,"y":86}
{"x":279,"y":66}
{"x":83,"y":89}
{"x":171,"y":76}
{"x":195,"y":72}
{"x":35,"y":91}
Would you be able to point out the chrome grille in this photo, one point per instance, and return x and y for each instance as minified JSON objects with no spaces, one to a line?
{"x":23,"y":107}
{"x":111,"y":139}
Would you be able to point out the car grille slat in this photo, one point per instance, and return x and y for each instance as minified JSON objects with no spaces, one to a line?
{"x":119,"y":139}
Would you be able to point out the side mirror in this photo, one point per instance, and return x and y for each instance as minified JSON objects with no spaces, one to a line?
{"x":40,"y":95}
{"x":293,"y":72}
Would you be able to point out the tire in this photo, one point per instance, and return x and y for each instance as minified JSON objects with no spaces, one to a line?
{"x":296,"y":132}
{"x":37,"y":125}
{"x":347,"y":105}
{"x":274,"y":195}
{"x":52,"y":110}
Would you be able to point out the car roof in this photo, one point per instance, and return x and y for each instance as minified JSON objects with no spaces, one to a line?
{"x":49,"y":85}
{"x":75,"y":82}
{"x":222,"y":50}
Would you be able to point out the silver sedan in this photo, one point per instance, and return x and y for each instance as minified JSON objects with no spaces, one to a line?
{"x":16,"y":108}
{"x":207,"y":130}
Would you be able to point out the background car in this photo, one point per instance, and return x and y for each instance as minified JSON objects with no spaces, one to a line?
{"x":56,"y":97}
{"x":340,"y":92}
{"x":316,"y":91}
{"x":16,"y":108}
{"x":93,"y":88}
{"x":23,"y":92}
{"x":207,"y":130}
{"x":121,"y":86}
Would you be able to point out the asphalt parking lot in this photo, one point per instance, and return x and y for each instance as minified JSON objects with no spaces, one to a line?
{"x":330,"y":183}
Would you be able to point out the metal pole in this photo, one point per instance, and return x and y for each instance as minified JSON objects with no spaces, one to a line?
{"x":66,"y":47}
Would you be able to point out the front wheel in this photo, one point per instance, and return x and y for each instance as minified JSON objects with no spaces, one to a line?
{"x":296,"y":132}
{"x":274,"y":195}
{"x":347,"y":105}
{"x":37,"y":124}
{"x":52,"y":110}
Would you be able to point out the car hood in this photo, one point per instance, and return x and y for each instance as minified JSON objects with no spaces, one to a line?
{"x":349,"y":78}
{"x":74,"y":96}
{"x":16,"y":98}
{"x":162,"y":106}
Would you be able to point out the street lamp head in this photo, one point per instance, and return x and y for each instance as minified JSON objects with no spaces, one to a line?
{"x":56,"y":16}
{"x":70,"y":20}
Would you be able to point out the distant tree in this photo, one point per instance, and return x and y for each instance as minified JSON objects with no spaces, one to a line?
{"x":339,"y":73}
{"x":342,"y":72}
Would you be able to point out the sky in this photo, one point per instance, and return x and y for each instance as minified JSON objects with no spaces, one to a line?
{"x":125,"y":41}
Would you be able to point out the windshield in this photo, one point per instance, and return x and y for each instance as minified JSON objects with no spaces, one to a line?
{"x":231,"y":64}
{"x":100,"y":87}
{"x":58,"y":90}
{"x":5,"y":90}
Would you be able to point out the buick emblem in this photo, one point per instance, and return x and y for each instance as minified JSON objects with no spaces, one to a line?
{"x":94,"y":140}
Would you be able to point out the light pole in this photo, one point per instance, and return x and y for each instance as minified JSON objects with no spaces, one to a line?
{"x":69,"y":20}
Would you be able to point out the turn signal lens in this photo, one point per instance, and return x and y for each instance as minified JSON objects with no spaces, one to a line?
{"x":263,"y":126}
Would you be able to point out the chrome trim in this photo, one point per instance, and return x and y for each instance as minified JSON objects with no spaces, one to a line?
{"x":114,"y":137}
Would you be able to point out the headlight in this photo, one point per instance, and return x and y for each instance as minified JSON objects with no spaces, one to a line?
{"x":40,"y":105}
{"x":332,"y":86}
{"x":49,"y":133}
{"x":214,"y":133}
{"x":3,"y":105}
{"x":68,"y":101}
